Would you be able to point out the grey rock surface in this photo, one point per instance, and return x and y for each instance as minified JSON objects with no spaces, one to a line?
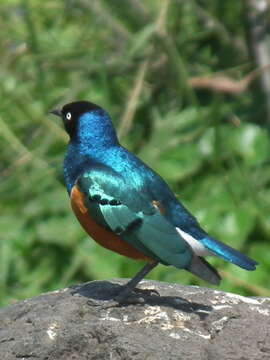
{"x":184,"y":322}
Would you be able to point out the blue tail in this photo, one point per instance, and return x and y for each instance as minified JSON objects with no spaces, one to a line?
{"x":229,"y":254}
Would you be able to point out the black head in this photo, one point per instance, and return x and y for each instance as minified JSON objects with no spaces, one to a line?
{"x":71,"y":112}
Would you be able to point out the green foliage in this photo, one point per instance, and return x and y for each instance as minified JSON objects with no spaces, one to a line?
{"x":212,"y":148}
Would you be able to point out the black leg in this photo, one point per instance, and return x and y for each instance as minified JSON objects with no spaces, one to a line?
{"x":130,"y":286}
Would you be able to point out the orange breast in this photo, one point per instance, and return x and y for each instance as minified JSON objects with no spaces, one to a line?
{"x":102,"y":236}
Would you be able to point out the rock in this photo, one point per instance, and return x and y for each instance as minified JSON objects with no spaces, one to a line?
{"x":184,"y":322}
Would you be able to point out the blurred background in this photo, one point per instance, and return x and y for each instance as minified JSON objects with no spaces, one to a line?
{"x":187,"y":84}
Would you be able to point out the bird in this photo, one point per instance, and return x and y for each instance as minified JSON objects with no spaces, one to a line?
{"x":128,"y":208}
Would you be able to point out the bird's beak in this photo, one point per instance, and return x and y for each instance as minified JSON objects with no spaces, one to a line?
{"x":56,"y":112}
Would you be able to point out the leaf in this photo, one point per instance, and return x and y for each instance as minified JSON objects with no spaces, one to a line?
{"x":251,"y":142}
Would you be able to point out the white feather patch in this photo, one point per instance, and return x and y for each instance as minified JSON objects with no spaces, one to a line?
{"x":196,"y":246}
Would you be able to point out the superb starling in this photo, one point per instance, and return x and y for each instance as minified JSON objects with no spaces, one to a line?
{"x":127,"y":207}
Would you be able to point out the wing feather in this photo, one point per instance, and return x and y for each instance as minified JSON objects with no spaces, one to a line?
{"x":134,"y":217}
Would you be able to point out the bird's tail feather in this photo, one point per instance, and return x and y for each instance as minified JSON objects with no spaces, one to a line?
{"x":227,"y":253}
{"x":204,"y":270}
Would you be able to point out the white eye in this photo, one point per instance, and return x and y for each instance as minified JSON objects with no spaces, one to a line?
{"x":68,"y":116}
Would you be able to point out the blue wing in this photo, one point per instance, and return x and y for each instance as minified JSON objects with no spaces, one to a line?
{"x":132,"y":214}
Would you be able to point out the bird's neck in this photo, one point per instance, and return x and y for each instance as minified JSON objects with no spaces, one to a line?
{"x":94,"y":136}
{"x":95,"y":131}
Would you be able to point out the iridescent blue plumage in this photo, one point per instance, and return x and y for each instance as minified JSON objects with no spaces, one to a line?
{"x":129,"y":199}
{"x":93,"y":136}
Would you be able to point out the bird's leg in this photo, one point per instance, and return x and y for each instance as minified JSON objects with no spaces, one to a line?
{"x":124,"y":297}
{"x":130,"y":286}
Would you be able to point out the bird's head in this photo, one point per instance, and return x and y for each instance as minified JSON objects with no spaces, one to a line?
{"x":87,"y":122}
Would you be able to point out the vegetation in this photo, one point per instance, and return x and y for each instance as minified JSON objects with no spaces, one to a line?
{"x":175,"y":76}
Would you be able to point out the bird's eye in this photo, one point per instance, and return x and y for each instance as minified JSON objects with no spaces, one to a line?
{"x":68,"y":116}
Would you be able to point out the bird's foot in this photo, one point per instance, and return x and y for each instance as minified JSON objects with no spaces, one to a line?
{"x":126,"y":296}
{"x":129,"y":296}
